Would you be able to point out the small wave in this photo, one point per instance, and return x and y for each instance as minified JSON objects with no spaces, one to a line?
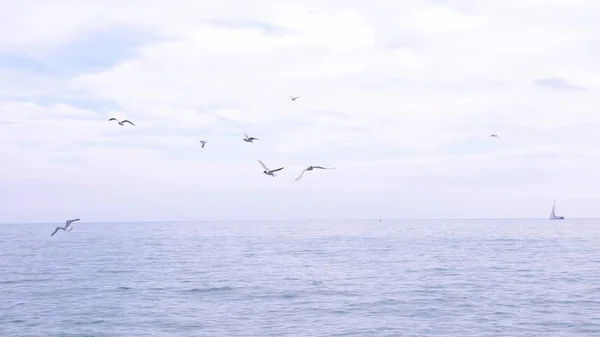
{"x":279,"y":295}
{"x":7,"y":282}
{"x":292,"y":294}
{"x":23,"y":281}
{"x":114,"y":271}
{"x":340,"y":312}
{"x":85,"y":323}
{"x":206,"y":290}
{"x":337,"y":293}
{"x":157,"y":288}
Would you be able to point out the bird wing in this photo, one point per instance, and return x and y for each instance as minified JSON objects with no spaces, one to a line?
{"x":279,"y":169}
{"x":54,"y":231}
{"x":263,"y":165}
{"x":69,"y":222}
{"x":128,"y":121}
{"x":245,"y":135}
{"x":300,"y":176}
{"x":113,"y":119}
{"x":324,"y":168}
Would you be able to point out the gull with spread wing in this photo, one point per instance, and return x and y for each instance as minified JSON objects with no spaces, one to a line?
{"x":248,"y":139}
{"x":267,"y":171}
{"x":310,"y":168}
{"x":121,"y":122}
{"x":66,"y":226}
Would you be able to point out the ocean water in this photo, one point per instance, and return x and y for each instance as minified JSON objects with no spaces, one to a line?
{"x":314,"y":278}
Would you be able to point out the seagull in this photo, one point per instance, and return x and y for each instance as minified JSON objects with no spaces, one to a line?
{"x":269,"y":172}
{"x":493,"y":135}
{"x":249,"y":139}
{"x":294,"y":98}
{"x":121,"y":122}
{"x":310,"y":168}
{"x":66,"y":227}
{"x":203,"y":142}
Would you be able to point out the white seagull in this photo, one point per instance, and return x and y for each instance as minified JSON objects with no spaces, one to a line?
{"x":294,"y":98}
{"x":121,"y":122}
{"x":493,"y":135}
{"x":310,"y":168}
{"x":267,"y":171}
{"x":249,"y":139}
{"x":203,"y":142}
{"x":66,"y":227}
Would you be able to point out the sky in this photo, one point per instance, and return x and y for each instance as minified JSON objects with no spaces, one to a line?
{"x":399,"y":95}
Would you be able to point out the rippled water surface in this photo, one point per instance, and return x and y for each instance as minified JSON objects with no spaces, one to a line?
{"x":315,"y":278}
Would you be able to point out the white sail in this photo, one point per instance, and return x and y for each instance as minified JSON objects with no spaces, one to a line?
{"x":553,"y":214}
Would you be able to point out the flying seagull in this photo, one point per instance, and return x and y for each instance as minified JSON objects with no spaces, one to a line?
{"x":249,"y":139}
{"x":294,"y":98}
{"x":66,"y":227}
{"x":310,"y":168}
{"x":203,"y":142}
{"x":267,"y":171}
{"x":493,"y":135}
{"x":121,"y":122}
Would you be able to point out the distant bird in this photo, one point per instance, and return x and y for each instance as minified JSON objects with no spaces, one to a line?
{"x":267,"y":171}
{"x":294,"y":98}
{"x":249,"y":139}
{"x":493,"y":135}
{"x":66,"y":227}
{"x":310,"y":168}
{"x":121,"y":122}
{"x":203,"y":142}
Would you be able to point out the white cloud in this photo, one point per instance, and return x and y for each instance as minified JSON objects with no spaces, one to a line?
{"x":399,"y":95}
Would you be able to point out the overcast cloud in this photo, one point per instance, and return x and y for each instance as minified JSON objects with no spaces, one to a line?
{"x":399,"y":95}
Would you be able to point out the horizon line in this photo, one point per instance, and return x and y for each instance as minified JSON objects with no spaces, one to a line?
{"x":314,"y":219}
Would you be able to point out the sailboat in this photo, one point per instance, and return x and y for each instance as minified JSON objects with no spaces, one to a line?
{"x":553,"y":215}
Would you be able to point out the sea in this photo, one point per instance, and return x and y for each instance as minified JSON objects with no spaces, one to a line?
{"x":480,"y":278}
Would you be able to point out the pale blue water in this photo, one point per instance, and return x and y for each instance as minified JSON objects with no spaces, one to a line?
{"x":321,"y":278}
